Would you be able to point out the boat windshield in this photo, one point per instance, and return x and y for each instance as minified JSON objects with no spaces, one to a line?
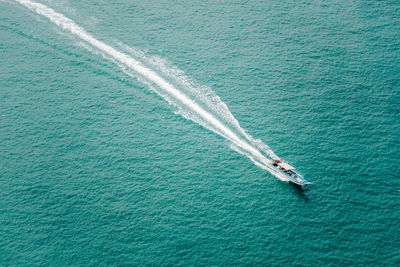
{"x":286,"y":166}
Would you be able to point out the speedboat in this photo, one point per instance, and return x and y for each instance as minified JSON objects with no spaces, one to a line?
{"x":289,"y":172}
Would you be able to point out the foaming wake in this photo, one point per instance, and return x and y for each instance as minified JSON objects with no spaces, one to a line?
{"x":197,"y":103}
{"x":204,"y":95}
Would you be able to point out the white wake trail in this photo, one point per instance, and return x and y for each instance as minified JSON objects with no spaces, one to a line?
{"x":203,"y":94}
{"x":166,"y":89}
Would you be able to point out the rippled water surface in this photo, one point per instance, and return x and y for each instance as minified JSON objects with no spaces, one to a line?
{"x":102,"y":162}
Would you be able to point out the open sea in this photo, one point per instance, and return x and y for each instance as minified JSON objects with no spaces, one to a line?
{"x":141,"y":132}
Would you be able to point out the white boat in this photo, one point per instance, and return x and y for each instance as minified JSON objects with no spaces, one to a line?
{"x":289,"y":172}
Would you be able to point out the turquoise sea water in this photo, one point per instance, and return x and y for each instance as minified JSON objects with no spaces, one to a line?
{"x":97,"y":168}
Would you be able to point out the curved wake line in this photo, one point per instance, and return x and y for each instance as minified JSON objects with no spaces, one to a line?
{"x":126,"y":61}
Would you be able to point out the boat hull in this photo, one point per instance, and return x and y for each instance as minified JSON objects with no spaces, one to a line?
{"x":294,"y":177}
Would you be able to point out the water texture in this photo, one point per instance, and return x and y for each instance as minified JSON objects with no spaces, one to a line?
{"x":120,"y":123}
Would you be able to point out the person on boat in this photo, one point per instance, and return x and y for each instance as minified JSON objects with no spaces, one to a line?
{"x":276,"y":162}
